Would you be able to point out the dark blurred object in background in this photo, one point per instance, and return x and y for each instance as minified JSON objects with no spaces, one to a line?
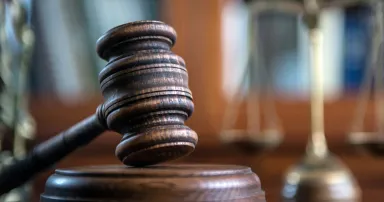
{"x":65,"y":64}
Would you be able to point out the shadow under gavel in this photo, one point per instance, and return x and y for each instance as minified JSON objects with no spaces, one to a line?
{"x":147,"y":99}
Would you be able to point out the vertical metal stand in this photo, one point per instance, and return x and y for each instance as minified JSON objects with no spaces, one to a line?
{"x":319,"y":172}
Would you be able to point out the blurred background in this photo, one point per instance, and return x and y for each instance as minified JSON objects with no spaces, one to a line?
{"x":215,"y":39}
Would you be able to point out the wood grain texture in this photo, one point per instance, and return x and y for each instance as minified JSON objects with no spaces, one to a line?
{"x":163,"y":183}
{"x":270,"y":169}
{"x":147,"y":98}
{"x":53,"y":116}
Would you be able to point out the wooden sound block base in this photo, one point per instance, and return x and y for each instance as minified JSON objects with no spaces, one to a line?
{"x":161,"y":183}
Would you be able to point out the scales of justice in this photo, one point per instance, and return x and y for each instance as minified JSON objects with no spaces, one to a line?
{"x":320,"y":175}
{"x":147,"y":100}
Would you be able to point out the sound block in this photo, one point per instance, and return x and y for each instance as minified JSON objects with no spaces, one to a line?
{"x":161,"y":183}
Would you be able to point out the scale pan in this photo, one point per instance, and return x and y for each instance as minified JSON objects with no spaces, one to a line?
{"x":370,"y":142}
{"x":250,"y":142}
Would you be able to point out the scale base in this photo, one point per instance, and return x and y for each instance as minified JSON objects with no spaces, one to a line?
{"x":320,"y":180}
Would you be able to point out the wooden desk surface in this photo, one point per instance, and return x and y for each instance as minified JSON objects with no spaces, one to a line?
{"x":271,"y":168}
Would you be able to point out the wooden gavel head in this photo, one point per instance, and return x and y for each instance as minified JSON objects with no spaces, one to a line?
{"x":145,"y":87}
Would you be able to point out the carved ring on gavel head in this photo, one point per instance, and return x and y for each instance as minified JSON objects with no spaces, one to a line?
{"x":145,"y":87}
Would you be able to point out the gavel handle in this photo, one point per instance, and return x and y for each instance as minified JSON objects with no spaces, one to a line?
{"x":50,"y":152}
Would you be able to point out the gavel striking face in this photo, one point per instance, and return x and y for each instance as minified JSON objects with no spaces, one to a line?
{"x":146,"y":93}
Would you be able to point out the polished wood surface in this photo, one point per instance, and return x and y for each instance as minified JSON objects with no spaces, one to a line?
{"x":53,"y":116}
{"x":163,"y":183}
{"x":146,"y":93}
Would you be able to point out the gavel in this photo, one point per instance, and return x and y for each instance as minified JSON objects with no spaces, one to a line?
{"x":147,"y":100}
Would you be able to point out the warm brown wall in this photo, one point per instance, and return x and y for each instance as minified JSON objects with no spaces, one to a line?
{"x":197,"y":23}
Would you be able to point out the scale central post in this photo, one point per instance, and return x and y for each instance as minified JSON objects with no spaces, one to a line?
{"x":319,"y":172}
